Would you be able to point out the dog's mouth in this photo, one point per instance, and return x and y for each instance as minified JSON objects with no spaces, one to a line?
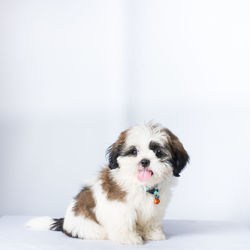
{"x":144,"y":174}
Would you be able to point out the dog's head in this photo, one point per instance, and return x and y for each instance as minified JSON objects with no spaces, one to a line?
{"x":147,"y":153}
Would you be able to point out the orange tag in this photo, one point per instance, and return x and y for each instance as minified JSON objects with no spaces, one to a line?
{"x":156,"y":201}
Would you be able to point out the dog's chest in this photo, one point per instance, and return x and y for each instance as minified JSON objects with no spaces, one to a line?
{"x":144,"y":205}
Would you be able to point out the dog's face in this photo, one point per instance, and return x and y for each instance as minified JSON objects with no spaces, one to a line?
{"x":147,"y":154}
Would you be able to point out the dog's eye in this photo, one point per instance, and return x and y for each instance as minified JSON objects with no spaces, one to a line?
{"x":158,"y":153}
{"x":134,"y":152}
{"x":131,"y":152}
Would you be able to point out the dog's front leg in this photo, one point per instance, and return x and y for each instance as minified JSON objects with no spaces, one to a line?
{"x":152,"y":230}
{"x":121,"y":227}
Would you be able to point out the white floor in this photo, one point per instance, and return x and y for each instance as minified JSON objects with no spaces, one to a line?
{"x":181,"y":235}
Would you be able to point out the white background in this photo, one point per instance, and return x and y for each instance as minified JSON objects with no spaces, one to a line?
{"x":73,"y":74}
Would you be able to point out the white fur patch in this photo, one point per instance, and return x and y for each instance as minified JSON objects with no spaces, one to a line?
{"x":40,"y":223}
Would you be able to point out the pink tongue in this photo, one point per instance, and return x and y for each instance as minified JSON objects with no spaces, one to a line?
{"x":144,"y":175}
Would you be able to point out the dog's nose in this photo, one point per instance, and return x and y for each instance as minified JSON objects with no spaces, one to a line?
{"x":145,"y":162}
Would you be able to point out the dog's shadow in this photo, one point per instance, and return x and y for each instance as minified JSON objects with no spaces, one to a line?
{"x":176,"y":228}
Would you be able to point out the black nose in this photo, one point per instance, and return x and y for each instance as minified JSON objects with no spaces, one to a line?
{"x":145,"y":162}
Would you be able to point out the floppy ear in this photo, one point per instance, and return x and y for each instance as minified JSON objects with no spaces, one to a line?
{"x":113,"y":153}
{"x":115,"y":149}
{"x":179,"y":154}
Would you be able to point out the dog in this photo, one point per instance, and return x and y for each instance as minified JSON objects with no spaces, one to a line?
{"x":127,"y":200}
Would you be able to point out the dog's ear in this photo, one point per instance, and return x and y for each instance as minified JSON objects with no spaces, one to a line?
{"x":115,"y":149}
{"x":180,"y":156}
{"x":113,"y":153}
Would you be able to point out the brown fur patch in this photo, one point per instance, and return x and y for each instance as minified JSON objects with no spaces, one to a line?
{"x":85,"y":204}
{"x":121,"y":140}
{"x":110,"y":187}
{"x":174,"y":142}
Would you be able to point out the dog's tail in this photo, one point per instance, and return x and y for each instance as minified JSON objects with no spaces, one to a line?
{"x":46,"y":223}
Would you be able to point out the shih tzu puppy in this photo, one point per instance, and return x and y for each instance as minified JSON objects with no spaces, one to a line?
{"x":127,"y":201}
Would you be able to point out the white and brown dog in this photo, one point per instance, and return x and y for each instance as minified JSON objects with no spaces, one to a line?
{"x":127,"y":201}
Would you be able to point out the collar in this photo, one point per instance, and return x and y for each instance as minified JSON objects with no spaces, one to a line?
{"x":155,"y":192}
{"x":151,"y":190}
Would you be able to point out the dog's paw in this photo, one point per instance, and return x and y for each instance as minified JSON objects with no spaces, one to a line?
{"x":154,"y":235}
{"x":130,"y":239}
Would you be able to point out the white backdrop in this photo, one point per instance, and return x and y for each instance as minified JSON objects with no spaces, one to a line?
{"x":73,"y":74}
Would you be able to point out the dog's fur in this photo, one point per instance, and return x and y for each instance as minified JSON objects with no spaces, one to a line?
{"x":116,"y":206}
